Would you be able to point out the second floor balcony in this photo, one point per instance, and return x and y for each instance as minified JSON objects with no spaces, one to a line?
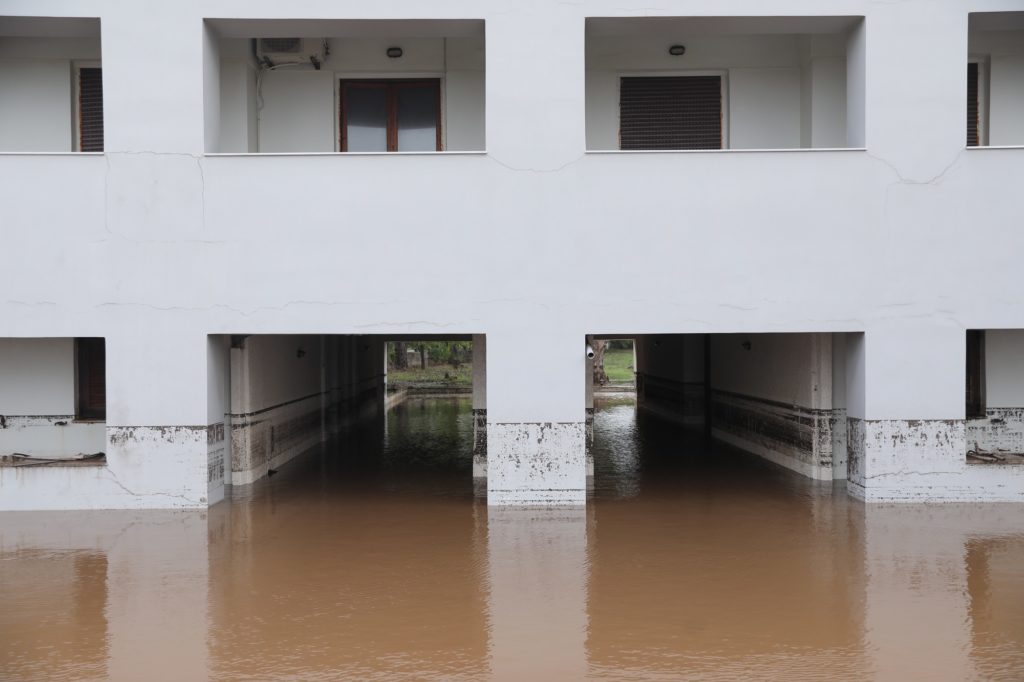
{"x":706,"y":83}
{"x":358,"y":86}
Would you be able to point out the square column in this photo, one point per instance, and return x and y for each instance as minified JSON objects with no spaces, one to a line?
{"x":157,"y":441}
{"x":905,"y":402}
{"x":479,"y":406}
{"x":535,"y":85}
{"x":536,"y":432}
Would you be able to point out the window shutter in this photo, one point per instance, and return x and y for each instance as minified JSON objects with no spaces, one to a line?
{"x":973,"y":112}
{"x":90,"y":110}
{"x":670,"y":112}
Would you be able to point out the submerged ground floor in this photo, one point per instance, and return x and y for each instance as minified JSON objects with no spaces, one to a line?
{"x":371,"y":557}
{"x":896,"y":414}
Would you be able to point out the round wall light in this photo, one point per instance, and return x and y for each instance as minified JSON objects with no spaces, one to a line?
{"x":394,"y":52}
{"x":677,"y":50}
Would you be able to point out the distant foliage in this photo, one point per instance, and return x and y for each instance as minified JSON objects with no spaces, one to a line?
{"x":452,"y":353}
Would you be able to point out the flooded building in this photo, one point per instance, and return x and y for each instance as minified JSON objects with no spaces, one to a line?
{"x":216,"y":214}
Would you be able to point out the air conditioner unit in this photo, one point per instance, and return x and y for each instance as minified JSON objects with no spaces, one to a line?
{"x":278,"y":51}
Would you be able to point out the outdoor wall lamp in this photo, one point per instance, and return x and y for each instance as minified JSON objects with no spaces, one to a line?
{"x":590,"y":352}
{"x":677,"y":50}
{"x":746,"y":345}
{"x":394,"y":52}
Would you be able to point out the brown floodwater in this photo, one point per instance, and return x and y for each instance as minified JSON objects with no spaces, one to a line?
{"x":375,"y":559}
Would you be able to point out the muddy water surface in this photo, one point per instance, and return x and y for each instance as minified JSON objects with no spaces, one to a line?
{"x":375,"y":560}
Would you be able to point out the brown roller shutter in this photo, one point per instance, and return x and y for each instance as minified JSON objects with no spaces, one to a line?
{"x":670,"y":112}
{"x":90,"y":110}
{"x":973,"y":111}
{"x":92,"y":378}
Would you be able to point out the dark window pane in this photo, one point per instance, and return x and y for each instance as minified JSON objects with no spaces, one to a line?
{"x":367,"y":119}
{"x":417,"y":118}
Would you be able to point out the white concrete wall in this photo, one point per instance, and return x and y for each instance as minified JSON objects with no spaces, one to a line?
{"x":276,"y":384}
{"x":780,"y":367}
{"x":300,"y":107}
{"x":1004,"y":368}
{"x":218,"y":415}
{"x":156,"y":246}
{"x":763,"y":85}
{"x":278,"y":373}
{"x":772,"y":395}
{"x":37,"y":91}
{"x":38,"y":376}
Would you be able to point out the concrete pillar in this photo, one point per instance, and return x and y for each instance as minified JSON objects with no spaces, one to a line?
{"x":535,"y":91}
{"x":588,"y":382}
{"x":536,"y":432}
{"x":218,"y":415}
{"x":157,"y":415}
{"x":138,"y":41}
{"x":479,"y":406}
{"x":905,"y":404}
{"x":915,"y":122}
{"x":837,"y":423}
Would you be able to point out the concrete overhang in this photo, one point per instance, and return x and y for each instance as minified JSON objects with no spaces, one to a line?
{"x":681,"y":27}
{"x":347,"y":28}
{"x":49,"y":27}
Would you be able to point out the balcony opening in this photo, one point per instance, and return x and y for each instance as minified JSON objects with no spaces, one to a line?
{"x":709,"y":83}
{"x":361,"y":410}
{"x":51,"y":85}
{"x":52,"y":402}
{"x":721,"y":410}
{"x":995,"y":79}
{"x":349,"y":86}
{"x":994,"y":396}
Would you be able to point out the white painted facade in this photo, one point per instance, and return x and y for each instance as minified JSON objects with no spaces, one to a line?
{"x":846,"y":202}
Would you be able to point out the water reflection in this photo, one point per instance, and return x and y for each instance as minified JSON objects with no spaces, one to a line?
{"x":373,"y":560}
{"x":537,"y":602}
